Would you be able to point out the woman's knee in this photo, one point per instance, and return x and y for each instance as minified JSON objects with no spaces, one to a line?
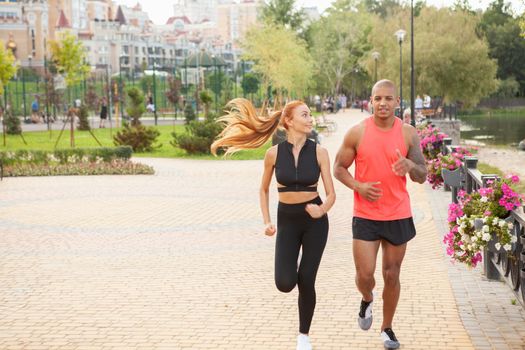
{"x":285,"y":284}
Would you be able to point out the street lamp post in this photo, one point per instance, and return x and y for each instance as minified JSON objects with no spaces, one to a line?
{"x":375,"y":56}
{"x":154,"y":93}
{"x":412,"y":73}
{"x":400,"y":34}
{"x":121,"y":87}
{"x":216,"y":79}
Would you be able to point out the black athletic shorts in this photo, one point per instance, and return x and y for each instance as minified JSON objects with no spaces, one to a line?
{"x":396,"y":232}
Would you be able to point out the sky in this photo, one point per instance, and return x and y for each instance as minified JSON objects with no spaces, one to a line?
{"x":159,"y":10}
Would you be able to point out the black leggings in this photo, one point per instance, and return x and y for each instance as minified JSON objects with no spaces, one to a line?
{"x":296,"y":228}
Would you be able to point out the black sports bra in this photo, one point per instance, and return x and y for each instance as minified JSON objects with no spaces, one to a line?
{"x":302,"y":177}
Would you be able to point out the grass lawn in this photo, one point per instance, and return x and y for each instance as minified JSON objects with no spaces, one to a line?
{"x":45,"y":140}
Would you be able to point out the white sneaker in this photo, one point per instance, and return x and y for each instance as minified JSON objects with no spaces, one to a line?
{"x":303,"y":342}
{"x":365,"y":318}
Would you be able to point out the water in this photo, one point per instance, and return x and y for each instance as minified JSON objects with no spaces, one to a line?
{"x":503,"y":129}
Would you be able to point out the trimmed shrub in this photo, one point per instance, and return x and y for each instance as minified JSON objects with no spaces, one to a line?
{"x":139,"y":137}
{"x":12,"y":123}
{"x":189,"y":113}
{"x":68,"y":155}
{"x":199,"y":137}
{"x":83,"y":121}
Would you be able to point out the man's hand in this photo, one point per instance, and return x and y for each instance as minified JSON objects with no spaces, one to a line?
{"x":403,"y":165}
{"x":369,"y":191}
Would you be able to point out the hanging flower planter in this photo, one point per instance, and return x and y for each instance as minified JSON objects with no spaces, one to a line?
{"x":451,"y":177}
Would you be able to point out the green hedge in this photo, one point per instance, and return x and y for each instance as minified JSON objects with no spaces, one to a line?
{"x":65,"y":156}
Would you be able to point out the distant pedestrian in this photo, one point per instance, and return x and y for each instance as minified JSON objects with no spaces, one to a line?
{"x":35,"y":111}
{"x":103,"y":113}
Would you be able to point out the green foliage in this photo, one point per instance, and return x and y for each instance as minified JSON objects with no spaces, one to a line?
{"x":70,"y":58}
{"x":507,"y":88}
{"x":206,"y":99}
{"x":464,"y":75}
{"x":280,"y":57}
{"x":506,"y":45}
{"x":382,"y":8}
{"x":199,"y":137}
{"x":139,"y":137}
{"x":92,"y":99}
{"x":135,"y":108}
{"x":342,"y":34}
{"x":216,"y":81}
{"x":68,"y":155}
{"x":116,"y":167}
{"x":7,"y":67}
{"x":12,"y":124}
{"x":173,"y":92}
{"x":189,"y":113}
{"x":83,"y":118}
{"x":283,"y":13}
{"x":250,"y":83}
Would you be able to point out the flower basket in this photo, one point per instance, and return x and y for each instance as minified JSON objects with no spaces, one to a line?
{"x":480,"y":220}
{"x":492,"y":245}
{"x":451,"y":177}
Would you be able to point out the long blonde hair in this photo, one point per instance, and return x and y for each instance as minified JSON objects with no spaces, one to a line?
{"x":245,"y":129}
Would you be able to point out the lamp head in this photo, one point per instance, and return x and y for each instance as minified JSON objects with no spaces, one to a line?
{"x":400,"y":34}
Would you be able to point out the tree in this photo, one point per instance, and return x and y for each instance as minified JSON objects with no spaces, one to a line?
{"x":91,"y":97}
{"x":216,"y":81}
{"x":465,"y":74}
{"x":250,"y":83}
{"x":173,"y":92}
{"x":69,"y":57}
{"x":503,"y":31}
{"x":280,"y":57}
{"x":206,"y":100}
{"x":338,"y":41}
{"x":282,"y":12}
{"x":7,"y":67}
{"x":136,"y":107}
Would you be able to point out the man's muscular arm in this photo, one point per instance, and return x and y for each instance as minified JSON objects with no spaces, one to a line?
{"x":418,"y":173}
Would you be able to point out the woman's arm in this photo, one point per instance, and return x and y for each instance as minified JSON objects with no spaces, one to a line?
{"x":269,"y":163}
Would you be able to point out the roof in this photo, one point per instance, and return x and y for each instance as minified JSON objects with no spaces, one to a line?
{"x":62,"y":21}
{"x":185,"y":19}
{"x":204,"y":59}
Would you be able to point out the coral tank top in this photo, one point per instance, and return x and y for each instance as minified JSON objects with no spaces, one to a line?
{"x":376,"y":154}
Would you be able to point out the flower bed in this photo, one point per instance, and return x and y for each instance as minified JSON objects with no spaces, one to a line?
{"x":88,"y":161}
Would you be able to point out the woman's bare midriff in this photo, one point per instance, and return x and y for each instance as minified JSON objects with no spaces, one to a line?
{"x":297,"y":197}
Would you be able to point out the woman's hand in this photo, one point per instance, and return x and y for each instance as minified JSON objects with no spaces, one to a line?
{"x":270,"y":229}
{"x":315,"y":210}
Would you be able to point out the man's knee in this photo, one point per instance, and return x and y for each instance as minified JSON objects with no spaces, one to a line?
{"x":364,"y":278}
{"x":391,"y":275}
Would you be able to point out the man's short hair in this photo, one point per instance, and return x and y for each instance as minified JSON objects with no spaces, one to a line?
{"x":385,"y":83}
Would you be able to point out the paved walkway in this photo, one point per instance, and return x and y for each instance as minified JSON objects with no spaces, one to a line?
{"x":177,"y":260}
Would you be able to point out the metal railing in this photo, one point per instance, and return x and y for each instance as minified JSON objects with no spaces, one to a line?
{"x":509,"y":267}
